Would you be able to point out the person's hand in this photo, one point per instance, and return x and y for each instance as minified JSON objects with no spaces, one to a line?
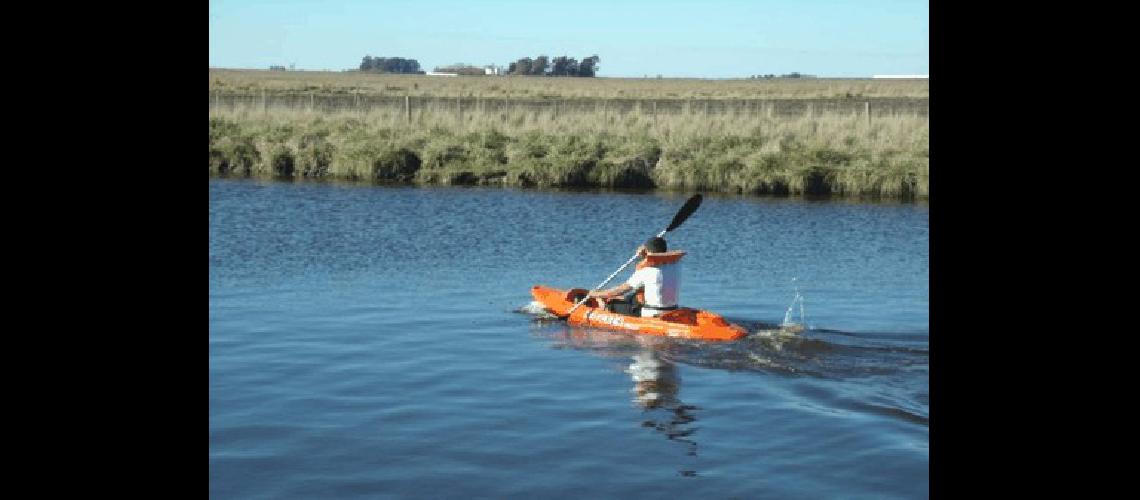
{"x":641,"y":251}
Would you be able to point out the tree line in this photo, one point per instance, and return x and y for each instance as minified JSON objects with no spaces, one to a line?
{"x":794,"y":74}
{"x":538,"y":66}
{"x":390,"y":65}
{"x":559,"y":66}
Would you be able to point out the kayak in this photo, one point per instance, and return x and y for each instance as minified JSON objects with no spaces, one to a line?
{"x":682,"y":322}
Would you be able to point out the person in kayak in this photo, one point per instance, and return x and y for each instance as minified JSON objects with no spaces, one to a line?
{"x":657,"y":281}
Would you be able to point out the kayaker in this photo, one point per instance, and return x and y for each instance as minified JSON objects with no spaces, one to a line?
{"x":657,"y":279}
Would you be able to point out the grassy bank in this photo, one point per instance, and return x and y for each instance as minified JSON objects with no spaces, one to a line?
{"x":839,"y":154}
{"x":255,"y":81}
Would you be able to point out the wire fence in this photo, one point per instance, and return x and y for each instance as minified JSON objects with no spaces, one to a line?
{"x":337,"y":103}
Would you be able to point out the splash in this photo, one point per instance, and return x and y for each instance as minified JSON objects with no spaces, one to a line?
{"x":536,"y":309}
{"x":796,"y":299}
{"x":789,"y":327}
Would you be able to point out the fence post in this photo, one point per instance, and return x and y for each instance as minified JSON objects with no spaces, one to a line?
{"x":867,"y":111}
{"x":459,"y":107}
{"x":217,"y":99}
{"x":311,"y":101}
{"x":654,"y":111}
{"x":408,"y":108}
{"x":263,"y":108}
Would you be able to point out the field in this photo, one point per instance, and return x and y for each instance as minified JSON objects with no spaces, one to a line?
{"x":765,"y":136}
{"x":254,"y":81}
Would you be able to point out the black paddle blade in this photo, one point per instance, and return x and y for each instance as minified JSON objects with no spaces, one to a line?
{"x":685,"y":212}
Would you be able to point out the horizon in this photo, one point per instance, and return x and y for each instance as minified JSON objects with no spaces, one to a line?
{"x":715,"y":40}
{"x":654,"y":77}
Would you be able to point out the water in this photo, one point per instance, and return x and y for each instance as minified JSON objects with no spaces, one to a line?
{"x":370,"y":342}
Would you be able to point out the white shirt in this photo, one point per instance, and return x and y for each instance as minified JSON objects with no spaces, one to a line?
{"x":660,"y":285}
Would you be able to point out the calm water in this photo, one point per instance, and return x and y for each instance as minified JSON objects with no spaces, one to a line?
{"x":373,"y":342}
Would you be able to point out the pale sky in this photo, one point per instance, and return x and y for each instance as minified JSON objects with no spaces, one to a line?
{"x":633,"y":38}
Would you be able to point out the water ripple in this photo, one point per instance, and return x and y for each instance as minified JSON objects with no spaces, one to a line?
{"x":363,"y":342}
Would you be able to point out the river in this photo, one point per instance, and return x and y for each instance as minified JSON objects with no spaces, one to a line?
{"x":379,"y":342}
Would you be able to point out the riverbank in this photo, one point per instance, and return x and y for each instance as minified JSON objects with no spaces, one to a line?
{"x":834,"y":154}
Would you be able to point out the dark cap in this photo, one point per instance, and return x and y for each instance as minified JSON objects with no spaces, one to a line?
{"x":656,"y":245}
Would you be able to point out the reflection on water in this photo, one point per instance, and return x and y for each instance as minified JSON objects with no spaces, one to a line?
{"x":656,"y":383}
{"x":820,"y":354}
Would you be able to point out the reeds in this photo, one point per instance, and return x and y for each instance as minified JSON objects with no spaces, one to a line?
{"x":838,"y":154}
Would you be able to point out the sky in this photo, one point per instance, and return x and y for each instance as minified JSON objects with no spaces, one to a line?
{"x":632,"y":38}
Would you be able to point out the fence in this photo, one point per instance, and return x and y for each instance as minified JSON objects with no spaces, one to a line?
{"x":332,"y":103}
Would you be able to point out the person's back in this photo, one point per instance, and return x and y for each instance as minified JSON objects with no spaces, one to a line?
{"x":657,"y":279}
{"x":660,"y":283}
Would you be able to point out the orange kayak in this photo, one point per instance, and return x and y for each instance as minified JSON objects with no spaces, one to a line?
{"x":682,"y":322}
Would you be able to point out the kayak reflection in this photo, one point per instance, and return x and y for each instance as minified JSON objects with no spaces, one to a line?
{"x":656,"y":384}
{"x":656,"y":380}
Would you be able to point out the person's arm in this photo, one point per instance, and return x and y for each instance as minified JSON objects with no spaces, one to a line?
{"x":623,"y":288}
{"x":616,"y":291}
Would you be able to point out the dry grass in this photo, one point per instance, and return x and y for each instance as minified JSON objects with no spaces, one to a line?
{"x":840,"y":154}
{"x":249,"y":81}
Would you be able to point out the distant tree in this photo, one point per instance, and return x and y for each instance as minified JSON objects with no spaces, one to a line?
{"x":539,"y":66}
{"x":588,"y":66}
{"x":522,"y":66}
{"x":390,"y":65}
{"x":564,"y":66}
{"x":559,"y":66}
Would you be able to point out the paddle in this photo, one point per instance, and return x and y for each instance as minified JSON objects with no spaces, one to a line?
{"x":682,"y":214}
